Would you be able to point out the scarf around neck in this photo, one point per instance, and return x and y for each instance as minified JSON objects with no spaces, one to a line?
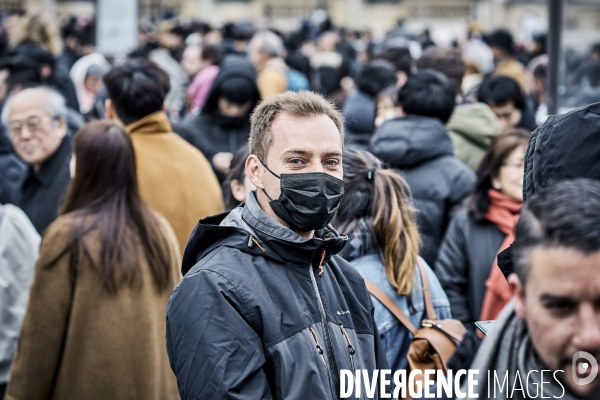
{"x":504,"y":213}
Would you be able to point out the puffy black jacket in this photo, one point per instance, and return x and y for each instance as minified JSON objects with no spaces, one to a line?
{"x":359,"y":118}
{"x":566,"y":146}
{"x":210,"y":131}
{"x":252,"y":318}
{"x":464,"y":263}
{"x":421,"y":148}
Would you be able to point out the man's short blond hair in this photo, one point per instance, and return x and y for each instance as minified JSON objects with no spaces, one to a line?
{"x":301,"y":104}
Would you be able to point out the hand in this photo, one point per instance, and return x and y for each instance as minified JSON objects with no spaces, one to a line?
{"x":222,"y":161}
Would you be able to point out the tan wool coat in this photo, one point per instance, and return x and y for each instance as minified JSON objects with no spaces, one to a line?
{"x":78,"y":341}
{"x":175,"y":179}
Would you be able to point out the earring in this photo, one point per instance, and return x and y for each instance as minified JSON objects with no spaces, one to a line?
{"x":497,"y":186}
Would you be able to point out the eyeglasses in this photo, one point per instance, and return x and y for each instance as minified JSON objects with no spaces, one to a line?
{"x":33,"y":124}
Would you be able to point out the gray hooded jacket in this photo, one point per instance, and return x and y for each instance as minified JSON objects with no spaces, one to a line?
{"x":253,"y":318}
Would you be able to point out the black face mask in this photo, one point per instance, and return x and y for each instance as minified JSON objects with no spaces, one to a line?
{"x":307,"y":201}
{"x":230,"y":122}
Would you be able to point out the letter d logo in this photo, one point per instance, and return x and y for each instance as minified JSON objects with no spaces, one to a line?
{"x":579,"y":366}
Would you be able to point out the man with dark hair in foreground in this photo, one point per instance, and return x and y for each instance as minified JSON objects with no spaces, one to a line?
{"x":554,"y":315}
{"x":175,"y":179}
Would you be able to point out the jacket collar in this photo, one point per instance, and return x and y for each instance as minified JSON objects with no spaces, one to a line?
{"x":249,"y":229}
{"x":286,"y":243}
{"x":151,"y":124}
{"x":49,"y":168}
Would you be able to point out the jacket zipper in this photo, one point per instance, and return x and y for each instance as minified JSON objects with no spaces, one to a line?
{"x":351,"y":350}
{"x":320,"y":350}
{"x":328,"y":346}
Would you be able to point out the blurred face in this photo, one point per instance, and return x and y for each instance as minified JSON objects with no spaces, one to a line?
{"x":328,"y":42}
{"x":386,"y":109}
{"x":508,"y":114}
{"x":561,"y":305}
{"x":213,"y":37}
{"x":170,"y":40}
{"x":93,"y":83}
{"x":510,"y":177}
{"x":538,"y":89}
{"x":3,"y":88}
{"x":34,"y":133}
{"x":498,"y":52}
{"x":256,"y":56}
{"x":72,"y":165}
{"x":240,"y":190}
{"x":191,"y":62}
{"x":233,"y":110}
{"x":10,"y":23}
{"x":300,"y":145}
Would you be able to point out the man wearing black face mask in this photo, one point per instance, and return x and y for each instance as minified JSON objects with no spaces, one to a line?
{"x":223,"y":125}
{"x":266,"y":308}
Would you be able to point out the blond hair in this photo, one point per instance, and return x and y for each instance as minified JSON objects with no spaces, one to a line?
{"x":395,"y":229}
{"x":36,"y":27}
{"x":301,"y":104}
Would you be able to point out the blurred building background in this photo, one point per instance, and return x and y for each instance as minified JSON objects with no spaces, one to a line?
{"x":445,"y":18}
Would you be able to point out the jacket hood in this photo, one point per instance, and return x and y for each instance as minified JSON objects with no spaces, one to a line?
{"x":231,"y":67}
{"x":476,"y":122}
{"x":408,"y":141}
{"x":359,"y":111}
{"x":249,"y":229}
{"x":564,"y":147}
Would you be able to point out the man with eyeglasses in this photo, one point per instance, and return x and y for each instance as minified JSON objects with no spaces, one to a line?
{"x":35,"y":122}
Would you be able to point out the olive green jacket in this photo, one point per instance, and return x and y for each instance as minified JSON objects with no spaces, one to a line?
{"x":472,"y":128}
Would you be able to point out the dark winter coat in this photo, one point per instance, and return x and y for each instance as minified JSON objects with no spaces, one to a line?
{"x":421,"y":148}
{"x":359,"y":113}
{"x":252,"y":318}
{"x":210,"y":131}
{"x":12,"y":171}
{"x":464,"y":263}
{"x":43,"y":191}
{"x":566,"y":146}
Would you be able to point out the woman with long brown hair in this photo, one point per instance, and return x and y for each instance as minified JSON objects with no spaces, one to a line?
{"x":476,"y":234}
{"x":95,"y":322}
{"x":378,"y":216}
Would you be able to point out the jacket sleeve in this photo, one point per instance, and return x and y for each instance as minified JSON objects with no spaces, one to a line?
{"x":44,"y":327}
{"x":213,"y":350}
{"x":452,"y":270}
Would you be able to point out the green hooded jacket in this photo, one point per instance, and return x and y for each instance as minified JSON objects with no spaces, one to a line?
{"x":472,"y":128}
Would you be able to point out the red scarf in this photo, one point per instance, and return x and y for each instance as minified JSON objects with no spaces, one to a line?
{"x":504,"y":213}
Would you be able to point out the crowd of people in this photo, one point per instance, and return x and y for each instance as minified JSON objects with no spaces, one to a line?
{"x":232,"y":189}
